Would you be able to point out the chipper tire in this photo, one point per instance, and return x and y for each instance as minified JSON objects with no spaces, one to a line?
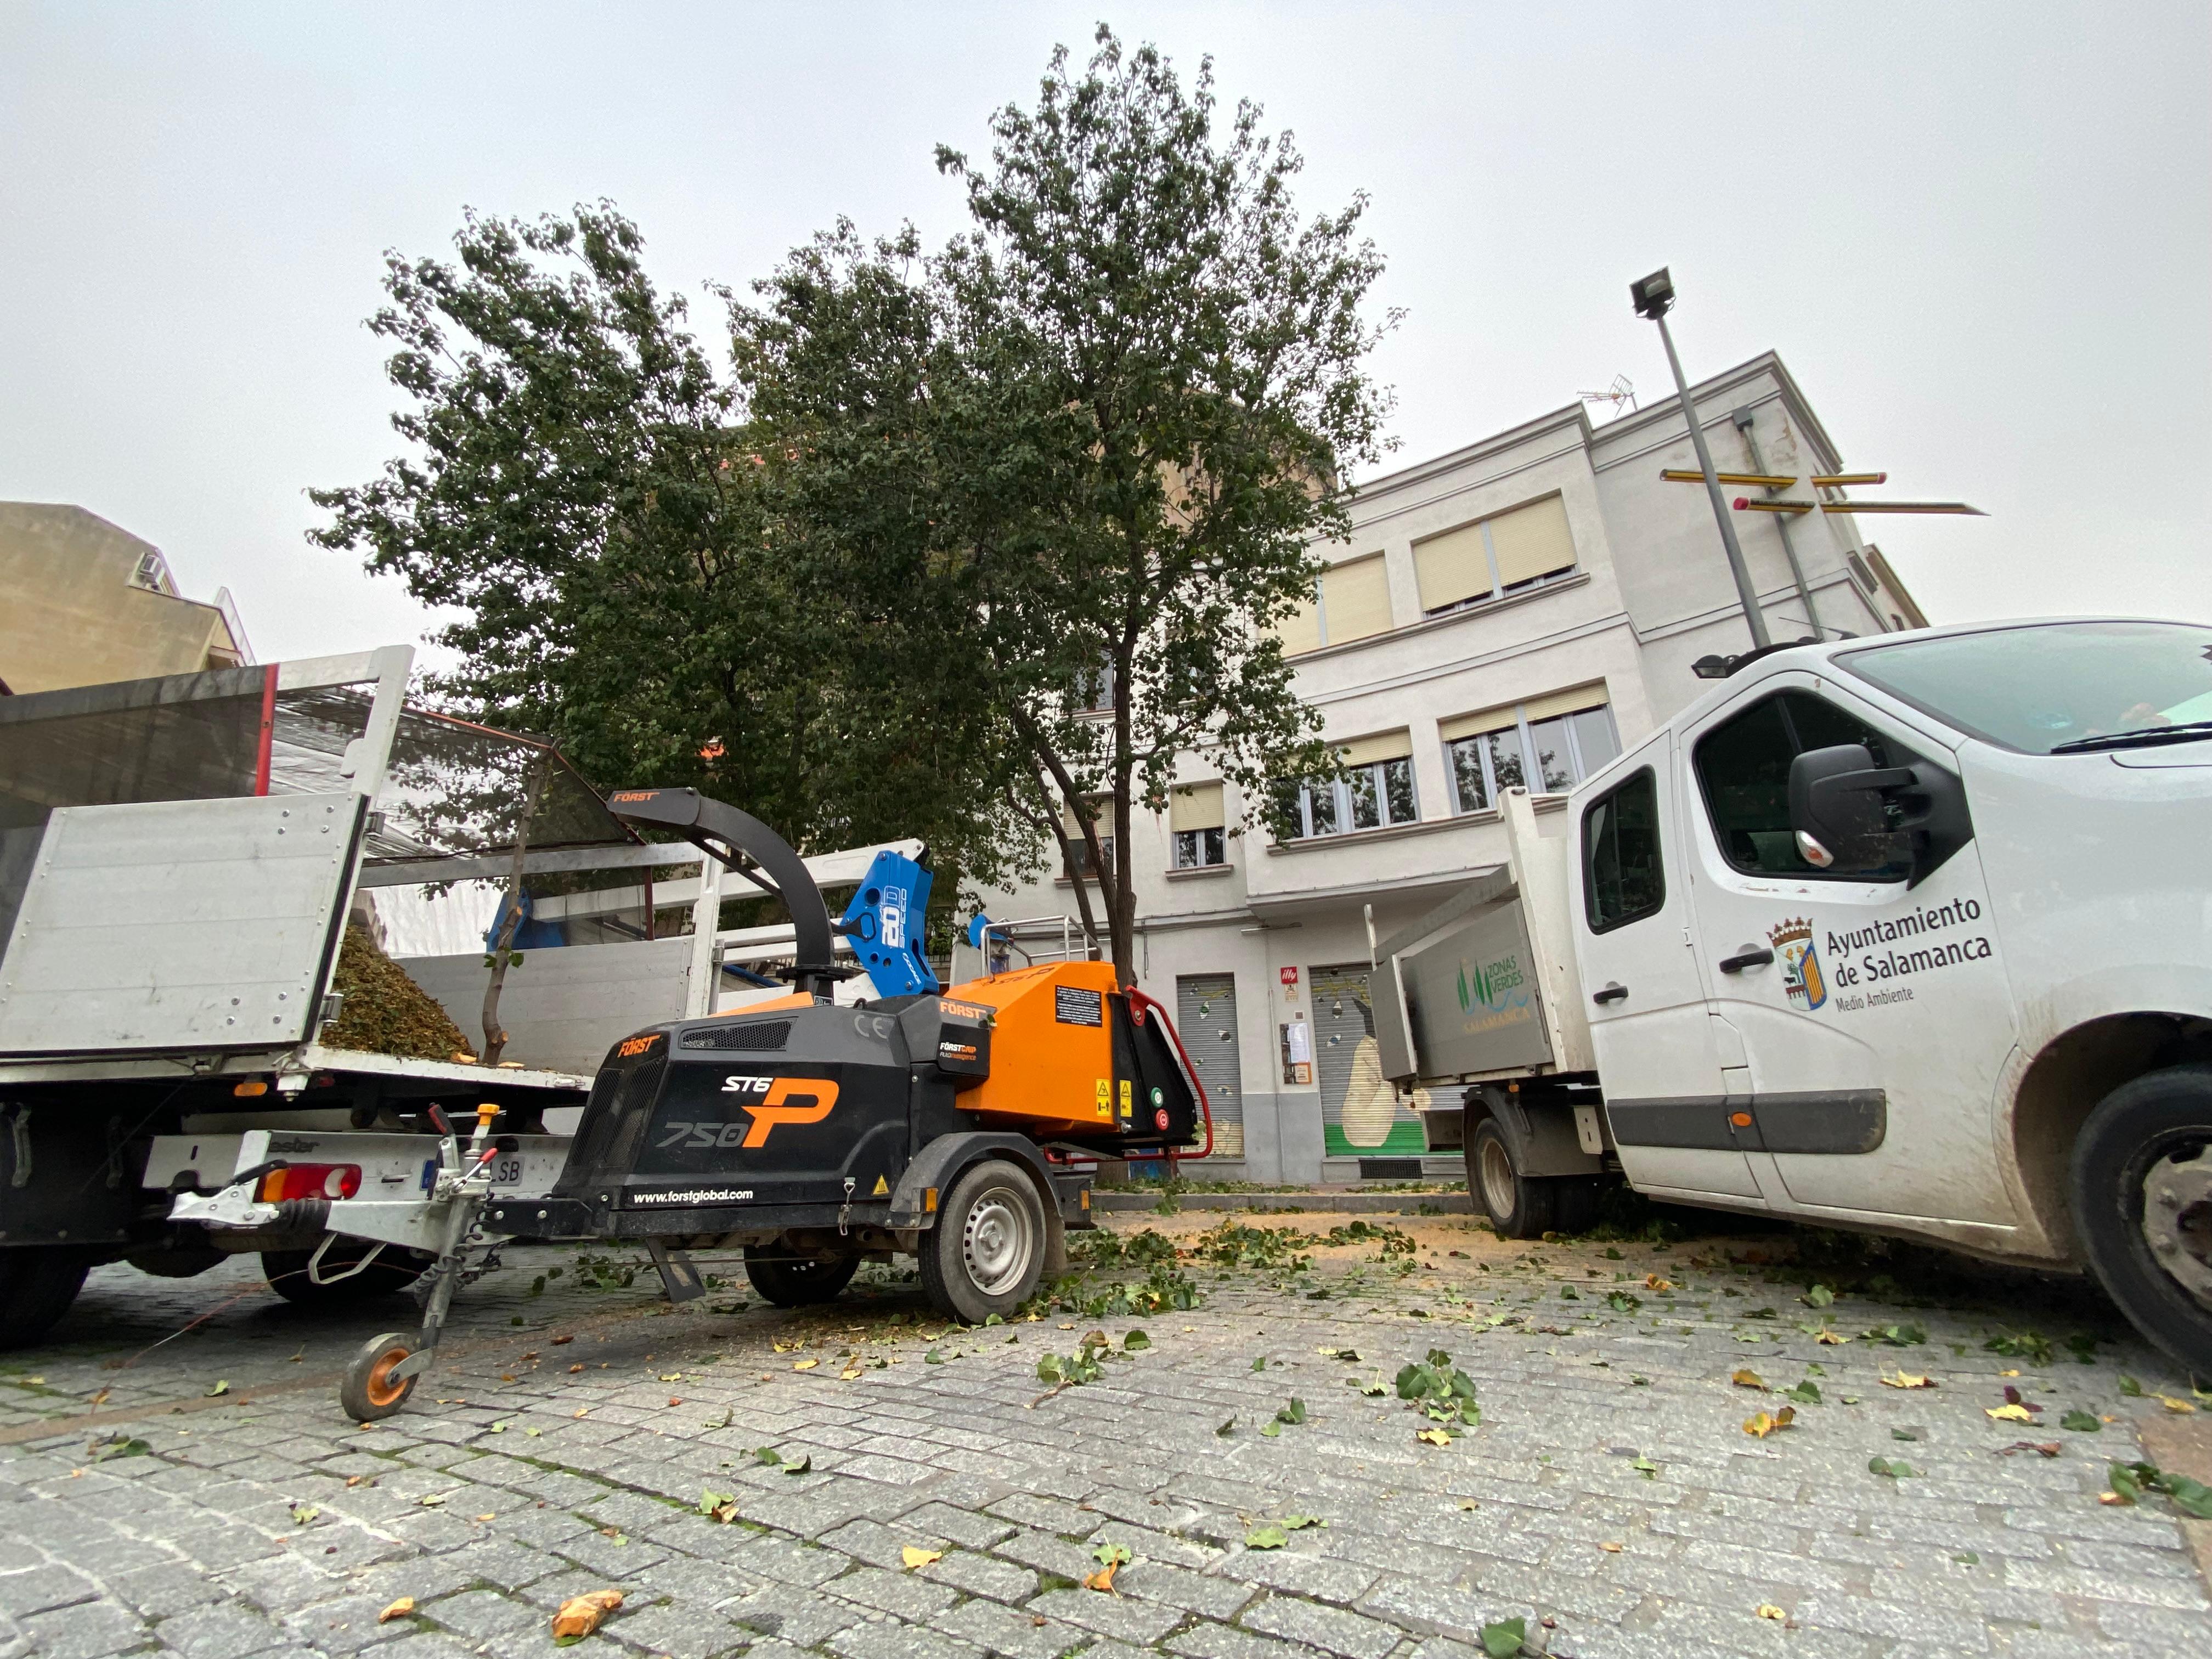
{"x":797,"y":1282}
{"x":2141,"y":1188}
{"x":38,"y":1283}
{"x":367,"y":1391}
{"x":395,"y":1269}
{"x":987,"y":1251}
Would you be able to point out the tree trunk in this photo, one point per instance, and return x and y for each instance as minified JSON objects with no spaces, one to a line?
{"x":503,"y":947}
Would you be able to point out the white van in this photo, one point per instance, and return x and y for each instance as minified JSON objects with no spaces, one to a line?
{"x":1912,"y":934}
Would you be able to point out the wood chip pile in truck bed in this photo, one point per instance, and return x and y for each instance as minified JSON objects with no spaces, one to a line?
{"x":384,"y":1011}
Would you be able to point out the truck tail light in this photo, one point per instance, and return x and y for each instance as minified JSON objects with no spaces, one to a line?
{"x":310,"y":1181}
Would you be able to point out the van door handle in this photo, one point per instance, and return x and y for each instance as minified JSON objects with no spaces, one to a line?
{"x":1613,"y":993}
{"x":1747,"y":957}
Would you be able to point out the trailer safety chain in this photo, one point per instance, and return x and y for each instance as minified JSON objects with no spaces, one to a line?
{"x":845,"y":1210}
{"x":19,"y":1122}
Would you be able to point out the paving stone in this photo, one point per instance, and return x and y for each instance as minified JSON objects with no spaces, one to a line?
{"x":225,"y":1631}
{"x":1329,"y":1630}
{"x":478,"y":1613}
{"x":1015,"y":1633}
{"x":44,"y":1587}
{"x":1108,"y":1615}
{"x":89,"y":1632}
{"x":682,"y":1633}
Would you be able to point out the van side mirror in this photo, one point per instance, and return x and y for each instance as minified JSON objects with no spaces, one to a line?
{"x":1839,"y":809}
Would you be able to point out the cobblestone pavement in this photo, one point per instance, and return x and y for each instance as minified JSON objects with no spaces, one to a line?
{"x":1610,"y":1496}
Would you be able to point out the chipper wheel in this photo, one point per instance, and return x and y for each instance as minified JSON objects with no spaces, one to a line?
{"x":795,"y":1281}
{"x":368,"y":1390}
{"x":987,"y":1251}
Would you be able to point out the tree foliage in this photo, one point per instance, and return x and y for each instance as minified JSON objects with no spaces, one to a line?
{"x":1091,"y":442}
{"x":580,"y":489}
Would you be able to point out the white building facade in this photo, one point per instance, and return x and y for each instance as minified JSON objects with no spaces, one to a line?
{"x":1510,"y":613}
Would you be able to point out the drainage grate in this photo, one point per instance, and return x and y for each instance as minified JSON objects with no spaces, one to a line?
{"x":767,"y":1033}
{"x":1389,"y":1169}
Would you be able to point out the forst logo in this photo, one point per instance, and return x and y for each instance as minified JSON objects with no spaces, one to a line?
{"x":1486,"y":981}
{"x":1807,"y":987}
{"x":782,"y":1100}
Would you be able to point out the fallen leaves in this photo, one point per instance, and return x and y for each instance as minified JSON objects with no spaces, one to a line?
{"x":721,"y":1507}
{"x":219,"y":1387}
{"x":2081,"y":1422}
{"x":1894,"y":1468}
{"x":919,"y":1558}
{"x":580,"y":1615}
{"x":1505,"y":1638}
{"x":1654,"y":1282}
{"x":1768,"y":1610}
{"x":398,"y":1609}
{"x":1433,"y":1437}
{"x":2013,"y":1413}
{"x":1110,"y":1558}
{"x":1762,"y":1424}
{"x":804,"y":1364}
{"x":2041,"y":1448}
{"x":1748,"y":1379}
{"x":1904,"y":1379}
{"x":1610,"y":1547}
{"x":303,"y":1515}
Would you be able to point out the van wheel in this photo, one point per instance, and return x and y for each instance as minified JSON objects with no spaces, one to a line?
{"x":2143,"y":1205}
{"x":1519,"y":1207}
{"x":987,"y":1252}
{"x":394,"y":1270}
{"x":796,"y":1281}
{"x":38,"y":1282}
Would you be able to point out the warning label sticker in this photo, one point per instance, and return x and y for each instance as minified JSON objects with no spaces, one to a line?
{"x":1073,"y":1005}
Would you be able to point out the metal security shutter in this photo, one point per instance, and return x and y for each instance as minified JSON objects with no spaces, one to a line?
{"x":1206,"y":1020}
{"x":1351,"y":1072}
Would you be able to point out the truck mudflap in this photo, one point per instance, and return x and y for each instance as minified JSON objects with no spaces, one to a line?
{"x":1544,"y":1138}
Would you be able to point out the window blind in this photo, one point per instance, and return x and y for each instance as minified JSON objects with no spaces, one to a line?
{"x":1565,"y":703}
{"x":1532,"y":541}
{"x":1355,"y":599}
{"x":1300,"y":631}
{"x":1466,"y":725}
{"x":1451,"y":566}
{"x":1196,"y":806}
{"x":1388,"y":745}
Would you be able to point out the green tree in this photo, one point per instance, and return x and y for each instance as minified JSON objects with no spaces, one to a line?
{"x":579,"y":488}
{"x":1091,"y":442}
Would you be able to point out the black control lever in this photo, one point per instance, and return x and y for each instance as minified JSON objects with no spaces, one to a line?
{"x":1611,"y":993}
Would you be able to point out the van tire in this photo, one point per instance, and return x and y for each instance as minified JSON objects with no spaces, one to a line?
{"x":38,"y":1283}
{"x":1518,"y":1205}
{"x":789,"y":1280}
{"x":2153,"y":1133}
{"x":1581,"y":1199}
{"x":988,"y":1251}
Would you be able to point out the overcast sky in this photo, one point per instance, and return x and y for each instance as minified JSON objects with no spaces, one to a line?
{"x":1980,"y":236}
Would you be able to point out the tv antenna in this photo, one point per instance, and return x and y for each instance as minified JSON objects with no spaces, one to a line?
{"x":1620,"y":391}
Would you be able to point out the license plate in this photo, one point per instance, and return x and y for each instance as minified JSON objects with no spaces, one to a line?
{"x":506,"y":1171}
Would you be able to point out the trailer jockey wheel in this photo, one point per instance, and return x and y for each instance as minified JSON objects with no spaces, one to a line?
{"x":1519,"y":1207}
{"x":796,"y":1281}
{"x":368,"y":1390}
{"x":2142,"y":1206}
{"x":987,"y":1252}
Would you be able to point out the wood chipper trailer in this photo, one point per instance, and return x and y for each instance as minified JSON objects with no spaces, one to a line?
{"x":952,"y":1126}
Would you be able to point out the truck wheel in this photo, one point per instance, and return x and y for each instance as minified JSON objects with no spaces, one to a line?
{"x":1580,"y":1199}
{"x":797,"y":1282}
{"x":367,"y":1390}
{"x":2143,"y":1205}
{"x":1519,"y":1207}
{"x":38,"y":1282}
{"x":394,"y":1270}
{"x":987,"y":1251}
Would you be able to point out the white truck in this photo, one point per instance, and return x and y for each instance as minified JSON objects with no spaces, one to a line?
{"x":1911,"y":934}
{"x":179,"y":859}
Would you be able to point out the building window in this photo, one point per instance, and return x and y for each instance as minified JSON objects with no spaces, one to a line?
{"x":1375,"y":792}
{"x":1546,"y":746}
{"x":1506,"y":553}
{"x":1102,"y":808}
{"x":1352,"y":601}
{"x":153,"y":573}
{"x":1198,"y":822}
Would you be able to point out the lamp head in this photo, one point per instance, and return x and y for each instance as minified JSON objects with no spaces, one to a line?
{"x":1653,"y":295}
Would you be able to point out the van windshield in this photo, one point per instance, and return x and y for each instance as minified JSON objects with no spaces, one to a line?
{"x":2052,"y":686}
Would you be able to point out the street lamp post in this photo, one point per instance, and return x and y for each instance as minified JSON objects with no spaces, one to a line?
{"x":1655,"y":297}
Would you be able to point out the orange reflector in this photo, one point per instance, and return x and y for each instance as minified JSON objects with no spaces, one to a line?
{"x":1741,"y":1120}
{"x":929,"y":1200}
{"x":251,"y":1089}
{"x":1086,"y":1198}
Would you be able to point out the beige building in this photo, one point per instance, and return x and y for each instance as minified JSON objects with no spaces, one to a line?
{"x":83,"y":601}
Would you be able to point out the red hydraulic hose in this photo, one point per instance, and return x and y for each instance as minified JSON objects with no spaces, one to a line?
{"x":1138,"y":1000}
